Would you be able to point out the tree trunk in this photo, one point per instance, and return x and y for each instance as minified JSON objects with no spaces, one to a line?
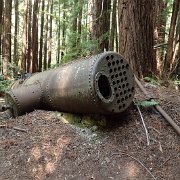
{"x":79,"y":21}
{"x":24,"y":38}
{"x":29,"y":35}
{"x":46,"y":37}
{"x":176,"y":56}
{"x":15,"y":58}
{"x":170,"y":47}
{"x":113,"y":27}
{"x":41,"y":37}
{"x":34,"y":35}
{"x":136,"y":35}
{"x":1,"y":18}
{"x":7,"y":36}
{"x":50,"y":36}
{"x":160,"y":24}
{"x":99,"y":22}
{"x":58,"y":34}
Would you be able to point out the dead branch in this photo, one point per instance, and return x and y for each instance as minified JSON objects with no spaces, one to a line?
{"x":163,"y":113}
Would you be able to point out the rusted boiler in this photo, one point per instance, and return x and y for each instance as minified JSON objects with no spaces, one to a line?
{"x":102,"y":84}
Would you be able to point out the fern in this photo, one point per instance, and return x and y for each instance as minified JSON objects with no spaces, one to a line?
{"x":146,"y":103}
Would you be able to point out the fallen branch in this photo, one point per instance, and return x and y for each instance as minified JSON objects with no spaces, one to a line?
{"x":15,"y":128}
{"x":163,"y":113}
{"x":123,"y":153}
{"x":142,"y":119}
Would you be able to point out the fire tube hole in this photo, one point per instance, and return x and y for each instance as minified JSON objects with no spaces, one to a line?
{"x":104,"y":87}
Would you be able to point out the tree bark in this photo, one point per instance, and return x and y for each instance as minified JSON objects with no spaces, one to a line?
{"x":159,"y":34}
{"x":46,"y":36}
{"x":113,"y":27}
{"x":24,"y":38}
{"x":16,"y":29}
{"x":58,"y":34}
{"x":136,"y":35}
{"x":41,"y":36}
{"x":1,"y":18}
{"x":7,"y":36}
{"x":170,"y":47}
{"x":34,"y":36}
{"x":29,"y":35}
{"x":99,"y":22}
{"x":50,"y":36}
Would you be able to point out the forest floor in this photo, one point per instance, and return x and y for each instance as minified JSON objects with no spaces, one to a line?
{"x":54,"y":146}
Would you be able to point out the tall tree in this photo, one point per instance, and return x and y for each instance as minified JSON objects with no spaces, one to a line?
{"x":7,"y":36}
{"x":16,"y":28}
{"x":34,"y":35}
{"x":24,"y":37}
{"x":113,"y":26}
{"x":50,"y":35}
{"x":170,"y":48}
{"x":136,"y":35}
{"x":58,"y":33}
{"x":160,"y":32}
{"x":1,"y":13}
{"x":99,"y":22}
{"x":46,"y":36}
{"x":41,"y":36}
{"x":29,"y":35}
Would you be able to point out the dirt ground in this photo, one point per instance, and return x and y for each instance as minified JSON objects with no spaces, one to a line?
{"x":54,"y":146}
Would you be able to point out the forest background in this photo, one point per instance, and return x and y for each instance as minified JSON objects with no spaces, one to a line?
{"x":36,"y":35}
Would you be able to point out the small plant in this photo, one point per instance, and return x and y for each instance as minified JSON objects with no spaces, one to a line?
{"x":146,"y":103}
{"x":4,"y":84}
{"x":151,"y":80}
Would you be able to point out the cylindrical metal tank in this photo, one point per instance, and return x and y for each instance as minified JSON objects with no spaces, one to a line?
{"x":102,"y":84}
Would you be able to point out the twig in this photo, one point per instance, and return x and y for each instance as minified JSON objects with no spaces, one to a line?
{"x":136,"y":161}
{"x":142,"y":119}
{"x":15,"y":128}
{"x":169,"y":159}
{"x":20,"y":129}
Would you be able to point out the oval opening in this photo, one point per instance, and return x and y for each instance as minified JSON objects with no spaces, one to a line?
{"x":104,"y":86}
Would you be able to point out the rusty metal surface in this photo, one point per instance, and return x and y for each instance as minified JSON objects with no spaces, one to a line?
{"x":103,"y":84}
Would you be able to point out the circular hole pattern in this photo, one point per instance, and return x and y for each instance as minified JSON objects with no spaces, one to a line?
{"x":119,"y":68}
{"x":118,"y":101}
{"x":116,"y":75}
{"x":117,"y":95}
{"x":112,"y":77}
{"x":121,"y":60}
{"x":112,"y":57}
{"x":125,"y":78}
{"x":123,"y":85}
{"x":115,"y":89}
{"x":122,"y":80}
{"x":118,"y":81}
{"x":120,"y":74}
{"x":120,"y":107}
{"x":124,"y":105}
{"x":115,"y":69}
{"x":110,"y":71}
{"x":124,"y":72}
{"x":113,"y":63}
{"x":109,"y":64}
{"x":123,"y":66}
{"x":117,"y":61}
{"x":127,"y":66}
{"x":107,"y":57}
